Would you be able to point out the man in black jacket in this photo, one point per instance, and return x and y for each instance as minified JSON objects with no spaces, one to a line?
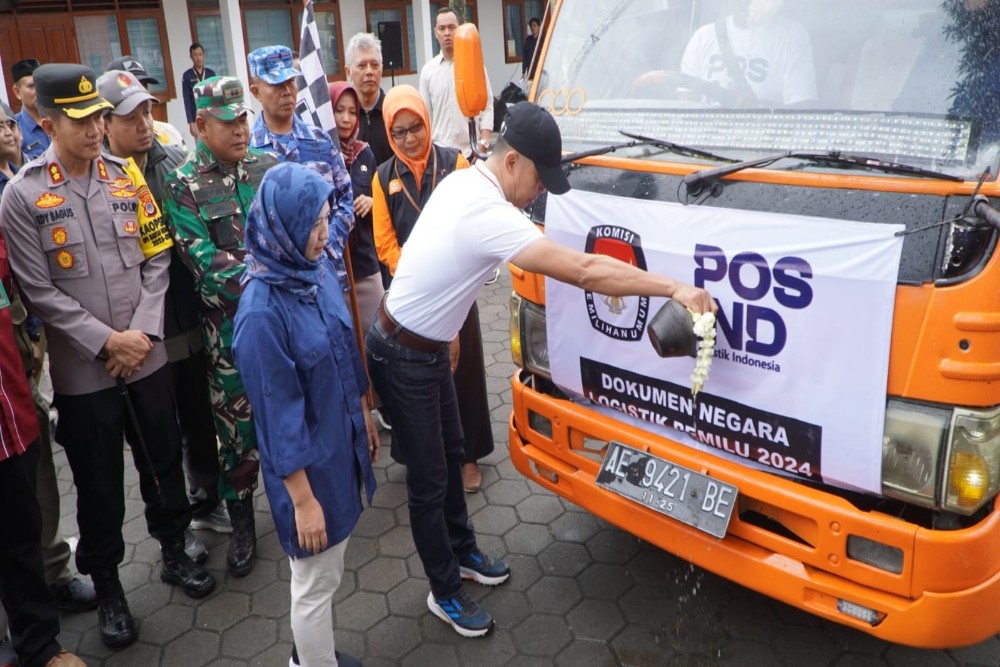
{"x":363,"y":56}
{"x":130,"y":133}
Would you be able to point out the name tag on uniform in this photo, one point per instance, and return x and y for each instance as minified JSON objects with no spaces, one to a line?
{"x":4,"y":301}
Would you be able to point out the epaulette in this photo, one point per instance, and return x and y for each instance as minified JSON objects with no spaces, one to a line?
{"x":121,"y":163}
{"x":34,"y":163}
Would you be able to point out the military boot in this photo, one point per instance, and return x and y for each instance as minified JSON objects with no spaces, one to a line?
{"x":117,"y":625}
{"x":243,"y":544}
{"x":179,"y":569}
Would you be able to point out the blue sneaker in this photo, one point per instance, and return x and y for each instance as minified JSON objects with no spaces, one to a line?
{"x":477,"y":566}
{"x":461,"y":612}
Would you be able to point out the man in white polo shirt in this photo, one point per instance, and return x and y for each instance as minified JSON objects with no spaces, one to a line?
{"x":475,"y":212}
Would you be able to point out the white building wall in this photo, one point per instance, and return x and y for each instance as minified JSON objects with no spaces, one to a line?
{"x":352,"y":20}
{"x":491,"y":33}
{"x":179,"y":38}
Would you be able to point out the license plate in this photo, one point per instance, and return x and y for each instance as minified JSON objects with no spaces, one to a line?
{"x":685,"y":495}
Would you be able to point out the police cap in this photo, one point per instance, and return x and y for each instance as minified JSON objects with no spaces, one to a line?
{"x":70,"y":88}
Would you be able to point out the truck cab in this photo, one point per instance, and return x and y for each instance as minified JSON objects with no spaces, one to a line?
{"x":827,"y":170}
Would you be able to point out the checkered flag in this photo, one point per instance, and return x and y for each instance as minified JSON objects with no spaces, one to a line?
{"x":313,"y":105}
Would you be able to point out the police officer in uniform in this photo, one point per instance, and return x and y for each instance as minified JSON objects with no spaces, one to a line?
{"x":79,"y":228}
{"x":206,"y":201}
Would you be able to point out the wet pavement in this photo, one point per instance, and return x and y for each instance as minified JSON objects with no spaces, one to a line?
{"x":583,"y":593}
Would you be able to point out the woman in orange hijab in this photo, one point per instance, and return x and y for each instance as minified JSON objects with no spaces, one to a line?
{"x":402,"y":186}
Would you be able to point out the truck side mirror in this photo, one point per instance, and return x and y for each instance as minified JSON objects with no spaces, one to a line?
{"x":470,"y":73}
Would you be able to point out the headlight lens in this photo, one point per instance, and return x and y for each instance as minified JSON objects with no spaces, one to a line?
{"x":529,"y":344}
{"x":911,"y":451}
{"x":515,"y":329}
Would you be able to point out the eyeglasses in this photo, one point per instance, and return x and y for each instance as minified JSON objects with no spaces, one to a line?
{"x":400,"y":135}
{"x":10,"y":124}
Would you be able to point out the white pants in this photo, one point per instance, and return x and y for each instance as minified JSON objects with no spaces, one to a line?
{"x":314,"y":581}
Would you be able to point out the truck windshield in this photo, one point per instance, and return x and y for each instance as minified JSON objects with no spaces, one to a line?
{"x":909,"y":81}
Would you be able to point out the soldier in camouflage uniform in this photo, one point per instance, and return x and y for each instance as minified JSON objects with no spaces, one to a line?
{"x":206,"y":200}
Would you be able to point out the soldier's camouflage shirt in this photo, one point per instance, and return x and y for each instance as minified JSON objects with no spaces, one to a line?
{"x":206,"y":207}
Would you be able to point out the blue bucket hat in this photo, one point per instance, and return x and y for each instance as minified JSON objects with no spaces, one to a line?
{"x":272,"y":64}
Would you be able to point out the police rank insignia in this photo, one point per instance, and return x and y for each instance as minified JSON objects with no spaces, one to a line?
{"x":85,"y":86}
{"x":48,"y":200}
{"x":130,"y":227}
{"x":65,"y":259}
{"x":102,"y":171}
{"x":59,"y":236}
{"x":395,"y":185}
{"x":55,"y":173}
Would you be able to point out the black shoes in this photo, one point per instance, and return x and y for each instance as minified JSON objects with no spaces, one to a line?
{"x":117,"y":625}
{"x":75,"y":596}
{"x":180,"y":570}
{"x":243,"y":544}
{"x":343,"y":659}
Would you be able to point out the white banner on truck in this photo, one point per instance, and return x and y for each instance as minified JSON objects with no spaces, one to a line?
{"x":805,"y":315}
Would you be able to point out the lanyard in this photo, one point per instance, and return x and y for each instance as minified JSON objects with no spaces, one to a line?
{"x":402,"y":183}
{"x":492,"y":182}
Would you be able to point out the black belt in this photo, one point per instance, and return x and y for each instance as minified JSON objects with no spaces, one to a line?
{"x":405,"y":337}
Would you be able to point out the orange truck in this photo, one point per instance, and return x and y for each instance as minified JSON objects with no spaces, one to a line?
{"x":825,"y":169}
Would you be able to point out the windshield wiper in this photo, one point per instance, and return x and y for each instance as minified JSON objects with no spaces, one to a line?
{"x":697,"y":181}
{"x":677,"y":148}
{"x":640,"y":140}
{"x":603,"y":150}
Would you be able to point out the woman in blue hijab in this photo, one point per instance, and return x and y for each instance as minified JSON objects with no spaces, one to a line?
{"x":296,"y":352}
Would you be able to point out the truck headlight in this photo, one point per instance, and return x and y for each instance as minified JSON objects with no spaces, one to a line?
{"x":912,"y":450}
{"x":973,"y":473}
{"x":529,"y":343}
{"x":940,"y":457}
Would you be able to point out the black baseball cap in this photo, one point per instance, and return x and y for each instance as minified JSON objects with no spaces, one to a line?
{"x":532,"y":131}
{"x":132,"y":66}
{"x":23,"y":68}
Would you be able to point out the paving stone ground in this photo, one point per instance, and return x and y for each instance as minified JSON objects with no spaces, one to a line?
{"x":583,"y":593}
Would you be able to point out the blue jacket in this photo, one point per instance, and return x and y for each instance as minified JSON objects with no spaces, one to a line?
{"x":304,"y":378}
{"x":34,"y":141}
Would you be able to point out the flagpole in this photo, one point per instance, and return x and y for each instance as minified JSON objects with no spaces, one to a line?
{"x":359,"y":333}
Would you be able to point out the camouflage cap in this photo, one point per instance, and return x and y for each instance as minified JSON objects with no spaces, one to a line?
{"x":221,"y":96}
{"x":272,"y":64}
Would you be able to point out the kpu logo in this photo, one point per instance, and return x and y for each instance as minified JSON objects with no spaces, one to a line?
{"x":618,"y":317}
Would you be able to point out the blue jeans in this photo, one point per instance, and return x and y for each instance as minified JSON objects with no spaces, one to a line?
{"x":418,"y":390}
